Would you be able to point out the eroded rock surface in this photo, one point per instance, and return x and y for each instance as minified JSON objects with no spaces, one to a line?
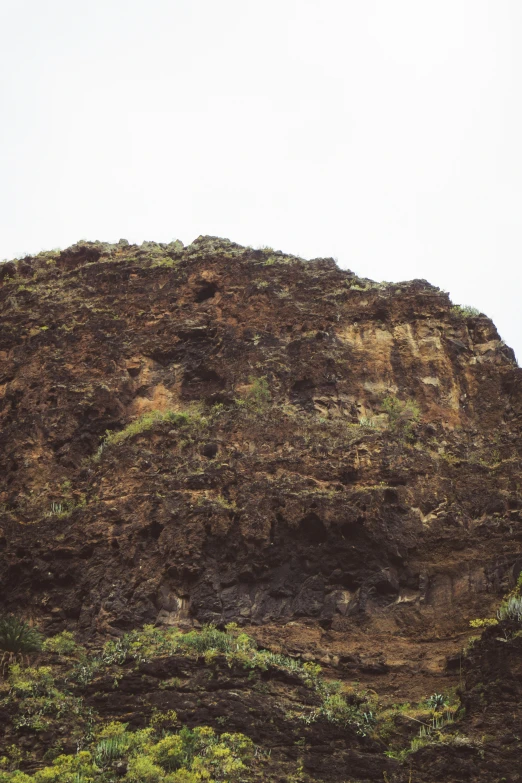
{"x":343,"y":478}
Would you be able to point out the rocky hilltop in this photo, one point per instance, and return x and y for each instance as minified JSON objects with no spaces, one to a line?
{"x":205,"y":435}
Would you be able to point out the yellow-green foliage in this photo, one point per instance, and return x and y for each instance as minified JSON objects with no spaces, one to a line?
{"x":485,"y":622}
{"x":41,"y":699}
{"x":336,"y":709}
{"x":31,"y":681}
{"x":427,"y":718}
{"x":147,"y":422}
{"x":63,"y":643}
{"x":238,"y":649}
{"x":188,"y":756}
{"x":35,"y":699}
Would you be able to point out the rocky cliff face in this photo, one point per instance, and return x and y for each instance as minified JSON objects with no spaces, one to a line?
{"x":217,"y":434}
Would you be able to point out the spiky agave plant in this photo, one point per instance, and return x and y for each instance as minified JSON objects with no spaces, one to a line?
{"x":17,"y":636}
{"x":16,"y":639}
{"x":110,"y":749}
{"x":511,"y":609}
{"x":436,"y":701}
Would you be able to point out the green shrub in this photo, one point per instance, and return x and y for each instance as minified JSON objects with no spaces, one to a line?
{"x":336,"y":709}
{"x":36,"y":702}
{"x":16,"y":636}
{"x":209,"y":638}
{"x":437,"y":701}
{"x":402,"y":415}
{"x":141,"y":769}
{"x":110,"y":749}
{"x":169,"y":752}
{"x":63,"y":643}
{"x":511,"y":609}
{"x":258,"y":396}
{"x":30,"y":681}
{"x":151,"y":642}
{"x":465,"y":311}
{"x":112,"y":729}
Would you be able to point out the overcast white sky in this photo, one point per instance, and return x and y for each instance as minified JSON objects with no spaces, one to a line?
{"x":385,"y":133}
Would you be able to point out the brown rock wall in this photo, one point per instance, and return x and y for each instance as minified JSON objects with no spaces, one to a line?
{"x":306,"y":510}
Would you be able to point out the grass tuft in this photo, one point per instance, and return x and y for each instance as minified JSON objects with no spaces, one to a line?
{"x":144,"y":423}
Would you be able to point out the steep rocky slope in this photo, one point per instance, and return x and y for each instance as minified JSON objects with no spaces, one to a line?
{"x":217,"y":434}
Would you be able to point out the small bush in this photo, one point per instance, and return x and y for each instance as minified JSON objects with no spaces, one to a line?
{"x":402,"y":415}
{"x":63,"y":643}
{"x":336,"y":709}
{"x":31,"y":682}
{"x":258,"y":396}
{"x":511,"y":609}
{"x":437,"y":701}
{"x":485,"y":622}
{"x":465,"y":311}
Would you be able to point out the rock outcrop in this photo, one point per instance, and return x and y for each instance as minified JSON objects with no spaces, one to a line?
{"x":216,"y":434}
